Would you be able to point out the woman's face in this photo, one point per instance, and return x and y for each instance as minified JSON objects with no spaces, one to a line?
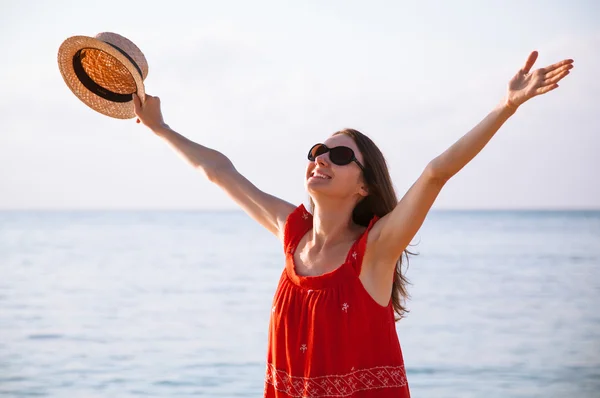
{"x":323,"y":177}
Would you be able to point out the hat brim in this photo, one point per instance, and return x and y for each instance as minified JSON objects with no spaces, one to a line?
{"x":66,"y":52}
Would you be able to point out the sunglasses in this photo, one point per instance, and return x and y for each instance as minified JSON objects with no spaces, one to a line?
{"x":340,"y":155}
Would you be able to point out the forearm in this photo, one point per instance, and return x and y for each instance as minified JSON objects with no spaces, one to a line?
{"x":200,"y":157}
{"x":468,"y":146}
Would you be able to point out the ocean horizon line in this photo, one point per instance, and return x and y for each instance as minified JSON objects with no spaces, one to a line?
{"x":236,"y":210}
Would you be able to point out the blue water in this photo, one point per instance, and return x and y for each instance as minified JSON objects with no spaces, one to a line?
{"x":123,"y":304}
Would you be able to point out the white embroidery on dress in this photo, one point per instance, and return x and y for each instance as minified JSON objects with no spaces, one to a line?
{"x":345,"y":307}
{"x":354,"y":255}
{"x":305,"y":216}
{"x":336,"y":385}
{"x":303,"y":348}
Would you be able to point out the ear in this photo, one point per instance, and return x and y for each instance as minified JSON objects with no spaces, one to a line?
{"x":363,"y":191}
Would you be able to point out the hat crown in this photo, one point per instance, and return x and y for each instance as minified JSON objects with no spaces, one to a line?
{"x":103,"y":72}
{"x":128,"y":47}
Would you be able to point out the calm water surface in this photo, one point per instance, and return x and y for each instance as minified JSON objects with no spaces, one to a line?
{"x":125,"y":304}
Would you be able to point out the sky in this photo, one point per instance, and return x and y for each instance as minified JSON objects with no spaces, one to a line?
{"x":263,"y":81}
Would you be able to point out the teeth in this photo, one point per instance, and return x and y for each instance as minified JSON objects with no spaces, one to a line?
{"x":317,"y":175}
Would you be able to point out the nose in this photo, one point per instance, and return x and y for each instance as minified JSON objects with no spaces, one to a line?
{"x":323,"y":159}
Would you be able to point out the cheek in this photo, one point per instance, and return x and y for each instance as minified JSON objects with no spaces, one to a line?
{"x":348,"y":177}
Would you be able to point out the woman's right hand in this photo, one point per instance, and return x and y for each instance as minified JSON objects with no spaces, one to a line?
{"x":149,"y":112}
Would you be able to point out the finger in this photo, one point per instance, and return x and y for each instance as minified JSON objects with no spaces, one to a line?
{"x":545,"y":89}
{"x":557,"y":71}
{"x":555,"y":78}
{"x":559,"y":64}
{"x":137,"y":104}
{"x":530,"y":61}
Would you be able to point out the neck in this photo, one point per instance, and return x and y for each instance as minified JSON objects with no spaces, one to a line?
{"x":332,"y":223}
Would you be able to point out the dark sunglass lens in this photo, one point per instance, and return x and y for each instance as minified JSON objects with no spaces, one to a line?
{"x":317,"y":150}
{"x":341,"y":155}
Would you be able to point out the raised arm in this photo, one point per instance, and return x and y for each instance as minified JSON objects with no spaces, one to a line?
{"x":269,"y":211}
{"x":392,"y":234}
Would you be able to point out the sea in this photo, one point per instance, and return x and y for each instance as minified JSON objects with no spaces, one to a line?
{"x":177,"y":304}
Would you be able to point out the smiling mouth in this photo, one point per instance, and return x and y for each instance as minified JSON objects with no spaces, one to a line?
{"x":320,"y":176}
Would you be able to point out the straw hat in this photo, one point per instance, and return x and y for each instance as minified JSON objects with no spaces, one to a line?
{"x":104,"y":71}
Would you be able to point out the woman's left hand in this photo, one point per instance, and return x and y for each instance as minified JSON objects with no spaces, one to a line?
{"x":525,"y":85}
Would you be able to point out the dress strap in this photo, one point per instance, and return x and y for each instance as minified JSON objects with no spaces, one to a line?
{"x":297,"y":224}
{"x":357,"y":251}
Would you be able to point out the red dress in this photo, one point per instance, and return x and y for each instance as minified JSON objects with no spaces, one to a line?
{"x":327,"y":336}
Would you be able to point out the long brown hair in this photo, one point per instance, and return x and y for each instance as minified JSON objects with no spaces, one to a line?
{"x":380,"y":201}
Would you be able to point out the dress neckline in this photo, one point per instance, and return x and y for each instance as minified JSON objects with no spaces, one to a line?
{"x":341,"y":273}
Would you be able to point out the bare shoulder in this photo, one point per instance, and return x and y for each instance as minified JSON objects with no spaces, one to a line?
{"x":373,"y":253}
{"x":377,"y":261}
{"x":377,"y":270}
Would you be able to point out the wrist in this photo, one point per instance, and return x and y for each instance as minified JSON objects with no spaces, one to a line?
{"x":160,"y":129}
{"x":509,"y":106}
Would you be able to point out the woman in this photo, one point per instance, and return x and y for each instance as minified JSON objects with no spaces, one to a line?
{"x":332,"y":330}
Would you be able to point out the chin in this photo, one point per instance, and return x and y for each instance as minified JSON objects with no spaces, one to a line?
{"x":318,"y":187}
{"x":311,"y":186}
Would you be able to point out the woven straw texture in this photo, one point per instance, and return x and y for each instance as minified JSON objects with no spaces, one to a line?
{"x":108,"y":68}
